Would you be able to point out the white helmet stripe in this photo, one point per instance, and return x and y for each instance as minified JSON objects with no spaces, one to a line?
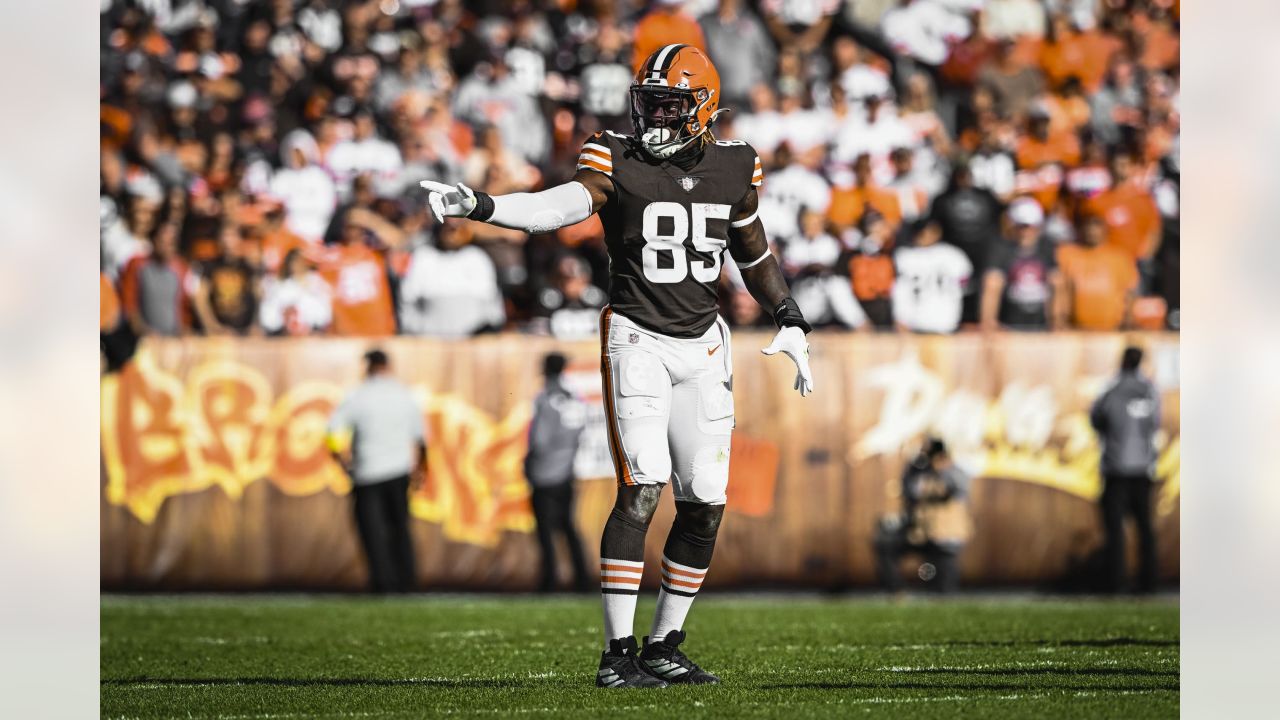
{"x":662,"y":57}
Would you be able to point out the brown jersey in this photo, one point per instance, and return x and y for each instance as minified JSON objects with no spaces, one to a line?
{"x":666,"y":226}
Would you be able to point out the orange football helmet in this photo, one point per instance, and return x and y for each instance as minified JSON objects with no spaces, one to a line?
{"x":675,"y":98}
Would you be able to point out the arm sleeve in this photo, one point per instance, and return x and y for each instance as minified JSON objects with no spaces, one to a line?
{"x":544,"y":211}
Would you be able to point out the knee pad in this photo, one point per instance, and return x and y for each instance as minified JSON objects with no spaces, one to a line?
{"x":709,"y":474}
{"x":636,"y":504}
{"x":699,"y":520}
{"x":648,"y":455}
{"x":693,"y":535}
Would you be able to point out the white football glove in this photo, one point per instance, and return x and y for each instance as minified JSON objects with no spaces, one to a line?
{"x":446,"y":201}
{"x":790,"y":340}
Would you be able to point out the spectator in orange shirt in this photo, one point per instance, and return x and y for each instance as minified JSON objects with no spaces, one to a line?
{"x":277,"y":241}
{"x":1043,"y":158}
{"x":869,"y":267}
{"x":1133,"y":222}
{"x":1154,"y":39}
{"x":1068,"y":107}
{"x":1100,"y":280}
{"x":361,"y":292}
{"x":1071,"y":52}
{"x":850,"y":203}
{"x":667,"y":23}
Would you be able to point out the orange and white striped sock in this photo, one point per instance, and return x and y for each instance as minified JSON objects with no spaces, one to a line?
{"x":680,"y":585}
{"x":619,"y":587}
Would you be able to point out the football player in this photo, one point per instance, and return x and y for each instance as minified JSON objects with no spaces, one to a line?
{"x":671,"y":198}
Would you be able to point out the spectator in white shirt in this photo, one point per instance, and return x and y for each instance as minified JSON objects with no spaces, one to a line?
{"x":922,"y":29}
{"x":304,"y":188}
{"x":813,"y":249}
{"x":803,"y":130}
{"x":785,"y":193}
{"x":492,"y":95}
{"x":909,"y":185}
{"x":992,"y":167}
{"x":799,"y":23}
{"x":882,"y":131}
{"x":298,"y":302}
{"x":1011,"y":19}
{"x":858,"y":78}
{"x":365,"y":153}
{"x":928,"y":293}
{"x":809,"y":260}
{"x":761,"y":128}
{"x":450,"y":291}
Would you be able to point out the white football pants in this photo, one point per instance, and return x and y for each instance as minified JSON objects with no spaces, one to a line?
{"x":669,"y":406}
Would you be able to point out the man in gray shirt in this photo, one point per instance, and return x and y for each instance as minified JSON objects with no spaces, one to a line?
{"x":741,"y":48}
{"x":554,"y":432}
{"x":388,"y":445}
{"x":1126,"y":417}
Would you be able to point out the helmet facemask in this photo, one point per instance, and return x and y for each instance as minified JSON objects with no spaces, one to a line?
{"x":666,"y":118}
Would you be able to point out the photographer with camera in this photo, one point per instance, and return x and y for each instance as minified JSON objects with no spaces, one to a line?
{"x":934,"y":522}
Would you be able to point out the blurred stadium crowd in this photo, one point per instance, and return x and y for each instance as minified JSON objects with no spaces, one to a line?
{"x":928,"y":163}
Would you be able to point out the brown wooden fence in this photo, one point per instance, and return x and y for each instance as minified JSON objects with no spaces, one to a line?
{"x":215,"y":476}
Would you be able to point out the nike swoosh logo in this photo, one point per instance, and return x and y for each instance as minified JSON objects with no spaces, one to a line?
{"x":712,"y":351}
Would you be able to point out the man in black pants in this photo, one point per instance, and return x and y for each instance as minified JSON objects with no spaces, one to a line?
{"x":388,"y":446}
{"x":553,"y":444}
{"x":1126,"y":417}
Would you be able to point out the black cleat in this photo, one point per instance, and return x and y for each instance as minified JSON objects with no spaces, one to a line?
{"x":663,"y":659}
{"x":620,"y":667}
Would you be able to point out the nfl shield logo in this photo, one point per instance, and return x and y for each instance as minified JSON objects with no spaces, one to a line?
{"x":633,"y":338}
{"x":687,"y":183}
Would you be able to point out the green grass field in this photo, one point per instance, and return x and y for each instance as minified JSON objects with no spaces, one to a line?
{"x":249,"y":657}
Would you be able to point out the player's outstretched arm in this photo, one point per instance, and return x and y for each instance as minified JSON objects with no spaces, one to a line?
{"x":537,"y":212}
{"x":763,"y":277}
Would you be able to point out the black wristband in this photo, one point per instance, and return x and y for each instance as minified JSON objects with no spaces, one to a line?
{"x":484,"y":207}
{"x":788,"y":314}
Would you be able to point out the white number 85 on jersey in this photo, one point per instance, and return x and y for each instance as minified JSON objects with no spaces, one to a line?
{"x":656,"y":241}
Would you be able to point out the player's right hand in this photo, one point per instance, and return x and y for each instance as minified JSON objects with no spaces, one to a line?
{"x":446,"y":201}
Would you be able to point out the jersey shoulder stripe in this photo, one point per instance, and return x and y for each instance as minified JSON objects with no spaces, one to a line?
{"x":599,"y":151}
{"x":596,"y":155}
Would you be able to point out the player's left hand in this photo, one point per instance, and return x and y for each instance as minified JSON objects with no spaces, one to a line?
{"x":790,"y":340}
{"x":446,"y":201}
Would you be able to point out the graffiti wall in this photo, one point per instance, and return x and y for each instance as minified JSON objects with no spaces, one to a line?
{"x":215,"y":473}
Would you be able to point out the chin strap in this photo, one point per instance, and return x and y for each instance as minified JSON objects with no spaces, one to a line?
{"x":787,"y":313}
